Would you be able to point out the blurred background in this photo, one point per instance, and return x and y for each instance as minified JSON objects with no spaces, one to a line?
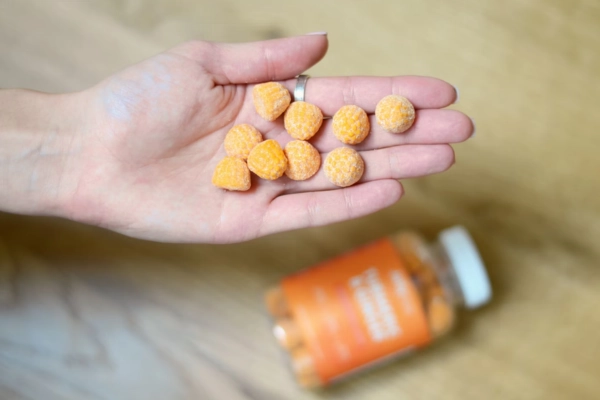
{"x":88,"y":314}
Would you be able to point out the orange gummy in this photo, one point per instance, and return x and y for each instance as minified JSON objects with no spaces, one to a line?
{"x":232,"y":174}
{"x":395,"y":114}
{"x":434,"y":289}
{"x":409,"y":243}
{"x":271,"y":99}
{"x":302,"y":361}
{"x":304,"y":368}
{"x":351,"y":124}
{"x":440,"y":316}
{"x":240,"y":140}
{"x":302,"y":120}
{"x":276,"y":303}
{"x":287,"y":333}
{"x":303,"y":160}
{"x":267,"y":160}
{"x":344,"y":166}
{"x":310,"y":381}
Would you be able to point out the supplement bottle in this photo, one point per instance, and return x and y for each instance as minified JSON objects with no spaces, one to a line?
{"x":376,"y":303}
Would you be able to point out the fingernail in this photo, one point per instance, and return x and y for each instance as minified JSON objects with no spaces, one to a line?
{"x":457,"y":94}
{"x":474,"y":127}
{"x":318,"y":33}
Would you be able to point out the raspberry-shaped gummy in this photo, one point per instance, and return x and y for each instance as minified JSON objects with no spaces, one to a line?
{"x":271,"y":99}
{"x":303,"y":160}
{"x":304,"y":367}
{"x":276,"y":302}
{"x":351,"y":124}
{"x":240,"y":140}
{"x":232,"y":174}
{"x":344,"y":166}
{"x":302,"y":120}
{"x":440,"y":315}
{"x":395,"y":114}
{"x":267,"y":160}
{"x":287,"y":332}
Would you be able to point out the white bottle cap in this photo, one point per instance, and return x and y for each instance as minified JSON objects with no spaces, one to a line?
{"x":467,"y":265}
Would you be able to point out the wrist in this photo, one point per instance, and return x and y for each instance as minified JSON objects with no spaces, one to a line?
{"x":39,"y":145}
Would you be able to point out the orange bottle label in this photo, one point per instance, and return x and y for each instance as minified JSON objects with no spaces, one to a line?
{"x":357,"y":309}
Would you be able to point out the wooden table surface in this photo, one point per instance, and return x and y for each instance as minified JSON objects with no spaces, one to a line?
{"x":89,"y":314}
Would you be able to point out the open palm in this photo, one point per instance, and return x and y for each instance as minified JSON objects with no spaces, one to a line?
{"x":146,"y":167}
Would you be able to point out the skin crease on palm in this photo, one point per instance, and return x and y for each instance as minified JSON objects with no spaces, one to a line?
{"x":156,"y":132}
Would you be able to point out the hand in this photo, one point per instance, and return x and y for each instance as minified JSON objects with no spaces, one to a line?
{"x":145,"y":164}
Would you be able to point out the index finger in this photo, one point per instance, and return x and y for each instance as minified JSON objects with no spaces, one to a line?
{"x":330,"y":94}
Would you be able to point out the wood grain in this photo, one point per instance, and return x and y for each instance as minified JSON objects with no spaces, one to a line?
{"x":88,"y":314}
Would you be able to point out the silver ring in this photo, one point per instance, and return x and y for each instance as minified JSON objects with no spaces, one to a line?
{"x":300,"y":87}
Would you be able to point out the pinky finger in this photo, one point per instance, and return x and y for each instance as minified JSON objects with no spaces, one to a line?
{"x":302,"y":210}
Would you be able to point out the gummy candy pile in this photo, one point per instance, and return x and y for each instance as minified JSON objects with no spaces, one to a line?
{"x":299,"y":160}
